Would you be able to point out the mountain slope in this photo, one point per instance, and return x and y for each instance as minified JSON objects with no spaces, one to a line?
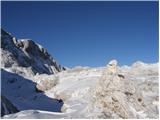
{"x":21,"y":61}
{"x":30,"y":84}
{"x":7,"y":107}
{"x":131,"y":93}
{"x":26,"y":54}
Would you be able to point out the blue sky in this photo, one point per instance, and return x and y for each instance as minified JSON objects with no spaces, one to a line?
{"x":87,"y":33}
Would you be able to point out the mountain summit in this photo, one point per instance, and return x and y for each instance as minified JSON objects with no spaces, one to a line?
{"x":26,"y":54}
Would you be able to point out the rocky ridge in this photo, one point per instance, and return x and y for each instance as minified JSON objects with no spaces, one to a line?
{"x":25,"y":56}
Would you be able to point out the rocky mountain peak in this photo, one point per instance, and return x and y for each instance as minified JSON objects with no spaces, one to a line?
{"x":27,"y":54}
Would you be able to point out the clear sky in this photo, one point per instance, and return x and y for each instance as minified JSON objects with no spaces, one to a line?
{"x":87,"y":33}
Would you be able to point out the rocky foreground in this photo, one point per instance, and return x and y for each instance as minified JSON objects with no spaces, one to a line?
{"x":127,"y":92}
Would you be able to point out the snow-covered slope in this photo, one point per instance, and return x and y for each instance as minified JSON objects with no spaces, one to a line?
{"x":36,"y":114}
{"x":7,"y":107}
{"x":131,"y":93}
{"x":86,"y":92}
{"x":20,"y":61}
{"x":26,"y":57}
{"x":33,"y":84}
{"x":22,"y":93}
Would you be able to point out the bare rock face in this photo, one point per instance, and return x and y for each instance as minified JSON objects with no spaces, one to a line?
{"x":115,"y":96}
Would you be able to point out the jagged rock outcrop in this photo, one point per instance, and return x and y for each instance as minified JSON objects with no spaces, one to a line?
{"x":7,"y":107}
{"x":26,"y":56}
{"x":116,"y":96}
{"x":45,"y":82}
{"x":112,"y":67}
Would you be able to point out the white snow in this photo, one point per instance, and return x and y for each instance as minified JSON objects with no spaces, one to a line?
{"x":73,"y":93}
{"x":74,"y":87}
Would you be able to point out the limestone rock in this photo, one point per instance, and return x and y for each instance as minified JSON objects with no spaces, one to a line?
{"x":112,"y":67}
{"x":45,"y":82}
{"x":116,"y":97}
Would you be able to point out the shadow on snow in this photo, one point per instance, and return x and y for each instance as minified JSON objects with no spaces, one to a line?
{"x":22,"y":93}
